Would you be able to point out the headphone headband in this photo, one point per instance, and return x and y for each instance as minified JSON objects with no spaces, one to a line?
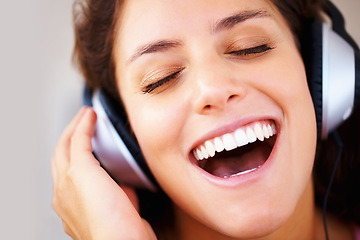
{"x":338,"y":24}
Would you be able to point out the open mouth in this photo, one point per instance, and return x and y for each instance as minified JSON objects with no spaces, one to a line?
{"x":240,"y":152}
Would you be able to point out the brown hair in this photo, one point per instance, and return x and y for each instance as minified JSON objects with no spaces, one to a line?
{"x":95,"y":23}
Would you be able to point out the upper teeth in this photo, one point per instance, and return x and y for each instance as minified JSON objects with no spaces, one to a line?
{"x":238,"y":138}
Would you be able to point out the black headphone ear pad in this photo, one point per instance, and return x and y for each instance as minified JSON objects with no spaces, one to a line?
{"x":312,"y":51}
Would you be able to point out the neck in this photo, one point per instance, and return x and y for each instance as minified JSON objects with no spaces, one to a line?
{"x":302,"y":224}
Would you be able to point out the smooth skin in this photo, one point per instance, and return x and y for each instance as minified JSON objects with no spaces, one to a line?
{"x":90,"y":203}
{"x":215,"y":93}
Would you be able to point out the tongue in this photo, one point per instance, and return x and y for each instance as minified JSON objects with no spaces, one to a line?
{"x":238,"y":161}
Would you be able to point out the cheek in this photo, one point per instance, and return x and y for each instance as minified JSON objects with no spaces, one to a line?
{"x":286,"y":83}
{"x":157,"y":126}
{"x":299,"y":118}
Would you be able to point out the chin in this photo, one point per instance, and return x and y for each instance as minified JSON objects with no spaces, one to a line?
{"x":261,"y":223}
{"x":248,"y":191}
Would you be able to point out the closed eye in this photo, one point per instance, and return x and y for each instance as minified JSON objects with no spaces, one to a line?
{"x":251,"y":51}
{"x":153,"y":86}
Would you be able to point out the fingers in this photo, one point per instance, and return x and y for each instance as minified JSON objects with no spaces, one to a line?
{"x":68,"y":230}
{"x":151,"y":234}
{"x":85,"y":197}
{"x":131,"y":194}
{"x":81,"y":147}
{"x":71,"y":127}
{"x":69,"y":130}
{"x":61,"y":159}
{"x":59,"y":166}
{"x":62,"y":149}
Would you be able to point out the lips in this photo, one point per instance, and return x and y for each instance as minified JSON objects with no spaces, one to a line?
{"x":239,"y":152}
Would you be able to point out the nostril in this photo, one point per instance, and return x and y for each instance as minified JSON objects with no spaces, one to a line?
{"x":214,"y":97}
{"x":231,"y":97}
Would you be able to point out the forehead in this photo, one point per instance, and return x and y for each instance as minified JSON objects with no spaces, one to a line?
{"x":144,"y":21}
{"x":154,"y":16}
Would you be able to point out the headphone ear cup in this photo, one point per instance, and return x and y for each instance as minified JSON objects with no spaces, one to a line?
{"x":331,"y":66}
{"x":113,"y":144}
{"x":312,"y":52}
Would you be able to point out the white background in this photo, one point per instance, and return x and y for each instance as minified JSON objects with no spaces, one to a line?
{"x":39,"y":93}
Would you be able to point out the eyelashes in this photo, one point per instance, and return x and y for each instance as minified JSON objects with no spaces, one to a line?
{"x":258,"y":50}
{"x":152,"y":86}
{"x":242,"y":54}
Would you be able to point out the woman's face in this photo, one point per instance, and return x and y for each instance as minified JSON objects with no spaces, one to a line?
{"x":217,"y":97}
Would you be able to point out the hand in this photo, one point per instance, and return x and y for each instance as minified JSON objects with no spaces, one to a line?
{"x":90,"y":204}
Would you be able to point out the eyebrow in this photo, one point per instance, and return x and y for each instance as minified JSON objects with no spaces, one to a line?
{"x":221,"y":25}
{"x":230,"y":22}
{"x":158,"y":46}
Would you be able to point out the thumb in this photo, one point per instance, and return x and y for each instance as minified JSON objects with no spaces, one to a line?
{"x":131,"y":194}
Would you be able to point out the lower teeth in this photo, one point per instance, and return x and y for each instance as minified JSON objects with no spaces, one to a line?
{"x":241,"y":173}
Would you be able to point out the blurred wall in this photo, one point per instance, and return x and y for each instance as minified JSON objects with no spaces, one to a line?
{"x":39,"y":93}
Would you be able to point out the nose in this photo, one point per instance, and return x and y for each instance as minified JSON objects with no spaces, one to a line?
{"x":218,"y":88}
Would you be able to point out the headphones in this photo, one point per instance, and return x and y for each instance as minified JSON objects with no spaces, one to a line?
{"x":332,"y":61}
